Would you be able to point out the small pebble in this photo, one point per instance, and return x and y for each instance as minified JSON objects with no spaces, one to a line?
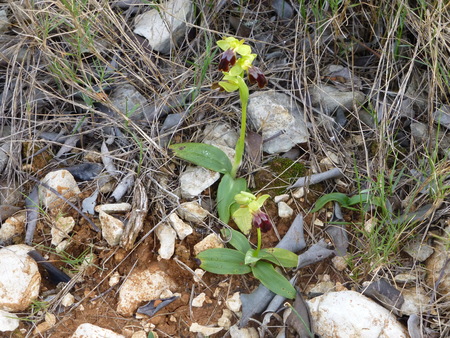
{"x":281,"y":198}
{"x":199,"y":300}
{"x":284,"y":210}
{"x":234,"y":302}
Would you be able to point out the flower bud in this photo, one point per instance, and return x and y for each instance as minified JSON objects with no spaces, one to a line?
{"x":228,"y":59}
{"x":262,"y":221}
{"x":255,"y":75}
{"x":244,"y":198}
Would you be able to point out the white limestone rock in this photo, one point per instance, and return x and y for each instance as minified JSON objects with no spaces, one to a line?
{"x":284,"y":210}
{"x":205,"y":330}
{"x":112,"y":208}
{"x":165,"y":26}
{"x":247,"y":332}
{"x":279,"y":119}
{"x":8,"y":321}
{"x":61,"y":229}
{"x":13,"y":227}
{"x":64,"y":183}
{"x":209,"y":242}
{"x":350,"y":314}
{"x":88,"y":330}
{"x":196,"y":179}
{"x":166,"y":236}
{"x":234,"y":302}
{"x":19,"y":278}
{"x":142,"y":286}
{"x":192,"y":212}
{"x":199,"y":300}
{"x":112,"y":228}
{"x":435,"y":268}
{"x":182,"y":229}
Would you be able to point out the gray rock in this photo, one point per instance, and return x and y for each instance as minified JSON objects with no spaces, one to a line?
{"x":192,"y":212}
{"x":4,"y":150}
{"x":130,"y":102}
{"x":418,"y":250}
{"x":279,"y":120}
{"x":196,"y":179}
{"x":4,"y":21}
{"x":283,"y":9}
{"x":442,"y":116}
{"x":330,"y":98}
{"x":165,"y":26}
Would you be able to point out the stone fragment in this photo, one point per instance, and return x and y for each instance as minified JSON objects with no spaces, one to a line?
{"x":13,"y":228}
{"x":350,"y":314}
{"x":298,"y":193}
{"x":19,"y":278}
{"x":87,"y":330}
{"x":182,"y":229}
{"x":63,"y":226}
{"x":165,"y":26}
{"x":416,"y":301}
{"x":113,"y":208}
{"x":4,"y":25}
{"x":142,"y":286}
{"x":127,"y":99}
{"x":225,"y":320}
{"x":405,"y":278}
{"x":114,"y":279}
{"x":330,"y":98}
{"x":199,"y":300}
{"x":196,"y":179}
{"x":112,"y":228}
{"x":284,"y":210}
{"x":279,"y":119}
{"x":281,"y":198}
{"x":248,"y":332}
{"x":339,"y":263}
{"x":436,"y":271}
{"x":209,"y":242}
{"x":192,"y":212}
{"x":220,"y":134}
{"x":64,"y":183}
{"x":418,"y":250}
{"x":68,"y":300}
{"x":8,"y":321}
{"x":234,"y":302}
{"x":198,"y":275}
{"x":166,"y":236}
{"x":205,"y":330}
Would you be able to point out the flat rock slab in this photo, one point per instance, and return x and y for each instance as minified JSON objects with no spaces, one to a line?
{"x":87,"y":330}
{"x":278,"y":119}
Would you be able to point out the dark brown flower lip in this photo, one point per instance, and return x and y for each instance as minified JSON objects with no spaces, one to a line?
{"x":262,"y":221}
{"x":255,"y":75}
{"x":227,"y":60}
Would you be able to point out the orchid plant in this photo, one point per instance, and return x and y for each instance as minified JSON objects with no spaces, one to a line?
{"x":233,"y":199}
{"x":235,"y":62}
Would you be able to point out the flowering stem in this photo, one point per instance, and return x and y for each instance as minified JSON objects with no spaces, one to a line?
{"x":243,"y":95}
{"x":258,"y":232}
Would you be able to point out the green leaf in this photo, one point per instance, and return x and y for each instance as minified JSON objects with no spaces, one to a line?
{"x":237,"y":240}
{"x":273,"y":280}
{"x":204,"y":155}
{"x":358,"y":199}
{"x":228,"y":86}
{"x":243,"y":219}
{"x":279,"y":256}
{"x":228,"y":188}
{"x":250,"y":257}
{"x":223,"y":261}
{"x":339,"y":197}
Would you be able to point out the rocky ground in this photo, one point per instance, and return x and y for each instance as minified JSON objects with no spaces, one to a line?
{"x":101,"y":223}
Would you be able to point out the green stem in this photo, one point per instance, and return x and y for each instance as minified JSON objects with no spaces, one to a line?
{"x":240,"y":145}
{"x":258,"y":232}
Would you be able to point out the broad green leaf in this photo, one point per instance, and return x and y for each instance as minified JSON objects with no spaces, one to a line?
{"x":223,"y":261}
{"x":228,"y":188}
{"x":250,"y":257}
{"x":236,"y":239}
{"x":243,"y":219}
{"x":273,"y":280}
{"x":279,"y":256}
{"x":339,"y":197}
{"x":204,"y":155}
{"x":358,"y":199}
